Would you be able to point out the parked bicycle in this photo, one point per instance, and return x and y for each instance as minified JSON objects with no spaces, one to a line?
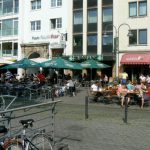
{"x":37,"y":141}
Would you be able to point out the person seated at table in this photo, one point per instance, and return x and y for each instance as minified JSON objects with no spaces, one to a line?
{"x":146,"y":95}
{"x":122,"y":92}
{"x":130,"y":86}
{"x":141,"y":89}
{"x":131,"y":89}
{"x":96,"y":90}
{"x":94,"y":87}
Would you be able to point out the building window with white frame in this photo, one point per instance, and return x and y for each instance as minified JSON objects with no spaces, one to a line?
{"x":55,"y":3}
{"x":9,"y":49}
{"x":9,"y":27}
{"x":56,"y":23}
{"x":8,"y":7}
{"x":137,"y":8}
{"x":36,"y":4}
{"x":35,"y":25}
{"x":139,"y":37}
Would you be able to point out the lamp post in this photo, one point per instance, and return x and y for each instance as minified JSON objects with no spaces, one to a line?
{"x":116,"y":43}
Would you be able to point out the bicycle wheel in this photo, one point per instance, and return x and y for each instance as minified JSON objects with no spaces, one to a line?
{"x":12,"y":145}
{"x":41,"y":141}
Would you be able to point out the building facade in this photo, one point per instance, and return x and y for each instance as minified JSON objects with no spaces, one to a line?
{"x":78,"y":30}
{"x":33,"y":28}
{"x":126,"y":25}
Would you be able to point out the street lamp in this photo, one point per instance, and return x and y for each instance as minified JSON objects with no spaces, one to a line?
{"x":116,"y":42}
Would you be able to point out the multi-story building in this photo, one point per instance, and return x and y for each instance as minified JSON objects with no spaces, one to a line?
{"x":33,"y":28}
{"x":9,"y":14}
{"x":123,"y":50}
{"x":95,"y":29}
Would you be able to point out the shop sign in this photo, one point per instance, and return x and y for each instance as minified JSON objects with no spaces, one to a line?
{"x":134,"y":58}
{"x":56,"y":39}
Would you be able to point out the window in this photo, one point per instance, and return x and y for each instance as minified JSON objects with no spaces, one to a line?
{"x":77,"y":44}
{"x":15,"y":22}
{"x":107,"y":14}
{"x":108,"y":40}
{"x":35,"y":25}
{"x":56,"y":23}
{"x":59,"y":2}
{"x":143,"y":8}
{"x":55,"y":3}
{"x":92,"y":44}
{"x":1,"y":8}
{"x":139,"y":37}
{"x":16,"y":6}
{"x":77,"y":4}
{"x":107,"y":43}
{"x":138,"y":9}
{"x":133,"y":38}
{"x":15,"y":49}
{"x":107,"y":2}
{"x":36,"y":4}
{"x":9,"y":49}
{"x":77,"y":41}
{"x":9,"y":7}
{"x":92,"y":40}
{"x":9,"y":27}
{"x":78,"y":17}
{"x":143,"y":36}
{"x":92,"y":16}
{"x":92,"y":3}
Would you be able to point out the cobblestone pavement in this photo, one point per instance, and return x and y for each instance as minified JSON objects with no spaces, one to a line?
{"x":105,"y":129}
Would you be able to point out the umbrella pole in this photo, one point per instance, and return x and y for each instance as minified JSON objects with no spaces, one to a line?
{"x":25,"y":71}
{"x":91,"y":74}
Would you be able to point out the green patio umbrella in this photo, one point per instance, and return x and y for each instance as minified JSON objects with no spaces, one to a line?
{"x":92,"y":64}
{"x":60,"y":63}
{"x":23,"y":63}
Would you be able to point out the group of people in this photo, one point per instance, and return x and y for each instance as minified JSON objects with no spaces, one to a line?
{"x":126,"y":90}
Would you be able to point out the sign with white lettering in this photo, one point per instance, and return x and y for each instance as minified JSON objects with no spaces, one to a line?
{"x":55,"y":38}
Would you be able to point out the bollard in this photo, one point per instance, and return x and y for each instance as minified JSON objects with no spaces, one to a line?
{"x":126,"y":110}
{"x":52,"y":94}
{"x":86,"y":108}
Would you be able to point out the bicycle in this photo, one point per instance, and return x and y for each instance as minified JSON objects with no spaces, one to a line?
{"x":39,"y":141}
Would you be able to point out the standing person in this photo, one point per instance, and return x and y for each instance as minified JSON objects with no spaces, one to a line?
{"x":122,"y":92}
{"x":124,"y":77}
{"x":105,"y":79}
{"x":41,"y":78}
{"x":8,"y":75}
{"x":142,"y":78}
{"x":71,"y":86}
{"x":141,"y":88}
{"x":148,"y":79}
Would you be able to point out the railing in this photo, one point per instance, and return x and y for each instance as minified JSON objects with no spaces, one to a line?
{"x":43,"y":115}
